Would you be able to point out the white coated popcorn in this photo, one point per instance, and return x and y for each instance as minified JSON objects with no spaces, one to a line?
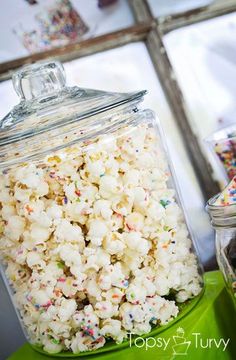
{"x":39,"y":233}
{"x":131,"y":178}
{"x":114,"y":295}
{"x":8,"y":211}
{"x":112,"y":328}
{"x":96,"y":258}
{"x":54,"y":211}
{"x":66,"y":232}
{"x":34,"y":258}
{"x":105,"y":309}
{"x":108,"y":186}
{"x":97,"y":231}
{"x":22,"y":195}
{"x":82,"y":343}
{"x":136,"y":294}
{"x":114,"y":246}
{"x":67,"y":309}
{"x":95,"y":169}
{"x":135,"y":242}
{"x":103,"y":208}
{"x":51,"y":347}
{"x":94,"y":241}
{"x":15,"y":227}
{"x":70,"y":255}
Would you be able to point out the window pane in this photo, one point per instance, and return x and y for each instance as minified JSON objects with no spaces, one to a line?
{"x":204,"y":60}
{"x":33,"y":28}
{"x":171,"y":7}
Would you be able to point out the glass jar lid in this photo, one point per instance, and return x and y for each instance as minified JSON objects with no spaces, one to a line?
{"x":47,"y":104}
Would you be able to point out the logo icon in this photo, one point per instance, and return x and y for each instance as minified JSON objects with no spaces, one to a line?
{"x":181,"y":345}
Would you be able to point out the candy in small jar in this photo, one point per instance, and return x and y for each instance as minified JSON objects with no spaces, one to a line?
{"x":223,"y":145}
{"x":94,"y":242}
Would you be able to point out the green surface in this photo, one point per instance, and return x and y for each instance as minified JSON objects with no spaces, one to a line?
{"x":213,"y":319}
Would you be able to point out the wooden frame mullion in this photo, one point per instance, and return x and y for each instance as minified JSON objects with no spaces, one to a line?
{"x":211,"y":11}
{"x":138,"y":32}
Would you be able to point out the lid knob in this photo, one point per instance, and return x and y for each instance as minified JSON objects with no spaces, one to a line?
{"x":39,"y":80}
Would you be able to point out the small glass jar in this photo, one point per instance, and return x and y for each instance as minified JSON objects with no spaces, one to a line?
{"x":222,"y":144}
{"x":94,"y":242}
{"x":223,"y":219}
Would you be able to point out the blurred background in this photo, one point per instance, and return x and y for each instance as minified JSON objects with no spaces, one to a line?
{"x":182,"y":51}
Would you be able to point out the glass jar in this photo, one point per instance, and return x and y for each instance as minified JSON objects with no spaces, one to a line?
{"x":94,"y":242}
{"x":222,"y":143}
{"x":224,"y":222}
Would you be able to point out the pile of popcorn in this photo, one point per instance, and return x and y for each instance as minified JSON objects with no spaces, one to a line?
{"x":94,"y":242}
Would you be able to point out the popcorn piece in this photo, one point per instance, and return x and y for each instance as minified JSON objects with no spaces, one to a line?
{"x":70,"y":255}
{"x":54,"y":211}
{"x":108,"y":186}
{"x":112,"y":328}
{"x":95,"y":170}
{"x":67,"y":309}
{"x":130,"y":314}
{"x":105,"y":309}
{"x":135,"y":294}
{"x":114,"y":295}
{"x":135,"y":221}
{"x":96,"y":258}
{"x":34,"y":259}
{"x":15,"y":227}
{"x":113,"y":245}
{"x":92,"y":287}
{"x":39,"y":233}
{"x":131,"y":178}
{"x":97,"y":232}
{"x":22,"y":194}
{"x":40,"y":298}
{"x":66,"y":232}
{"x":5,"y":196}
{"x":103,"y":208}
{"x":162,"y":286}
{"x":135,"y":242}
{"x":82,"y":343}
{"x":8,"y":211}
{"x":69,"y":286}
{"x":52,"y":346}
{"x":60,"y":329}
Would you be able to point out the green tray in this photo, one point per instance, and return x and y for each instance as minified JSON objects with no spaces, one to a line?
{"x":212,"y":318}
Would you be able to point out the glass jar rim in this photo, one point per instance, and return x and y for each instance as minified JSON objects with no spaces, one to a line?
{"x":221,"y":216}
